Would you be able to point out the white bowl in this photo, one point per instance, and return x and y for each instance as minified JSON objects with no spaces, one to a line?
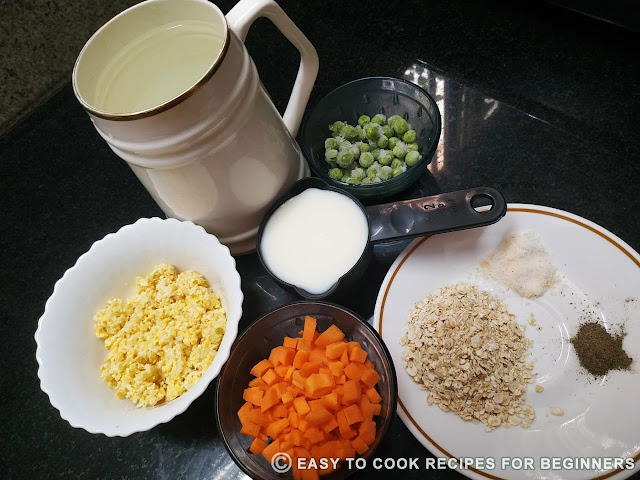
{"x":68,"y":352}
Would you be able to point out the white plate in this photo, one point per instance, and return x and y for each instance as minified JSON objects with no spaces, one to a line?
{"x":68,"y":352}
{"x":601,"y":280}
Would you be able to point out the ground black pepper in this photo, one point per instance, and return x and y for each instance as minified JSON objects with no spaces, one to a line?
{"x":599,"y":351}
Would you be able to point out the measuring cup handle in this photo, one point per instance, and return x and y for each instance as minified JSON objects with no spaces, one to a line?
{"x":240,"y":19}
{"x":446,"y":212}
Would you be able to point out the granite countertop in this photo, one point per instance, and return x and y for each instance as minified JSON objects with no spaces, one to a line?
{"x":538,"y":103}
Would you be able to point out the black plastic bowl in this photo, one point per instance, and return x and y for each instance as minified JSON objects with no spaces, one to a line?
{"x":368,"y":96}
{"x":256,"y":343}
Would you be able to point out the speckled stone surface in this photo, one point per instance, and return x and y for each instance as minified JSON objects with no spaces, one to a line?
{"x":39,"y":43}
{"x":537,"y":104}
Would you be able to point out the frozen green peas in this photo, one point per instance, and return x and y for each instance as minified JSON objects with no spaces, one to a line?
{"x":345,"y":159}
{"x":375,"y":149}
{"x":364,"y":120}
{"x":366,"y":160}
{"x":412,"y":158}
{"x":335,"y":173}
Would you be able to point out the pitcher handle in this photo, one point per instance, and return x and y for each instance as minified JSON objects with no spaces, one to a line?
{"x":240,"y":18}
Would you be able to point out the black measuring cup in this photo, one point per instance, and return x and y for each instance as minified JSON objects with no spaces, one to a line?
{"x":418,"y":217}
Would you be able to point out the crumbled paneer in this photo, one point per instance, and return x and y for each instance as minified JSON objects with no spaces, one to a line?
{"x":539,"y":388}
{"x":163,"y":339}
{"x":557,"y":411}
{"x":465,"y":348}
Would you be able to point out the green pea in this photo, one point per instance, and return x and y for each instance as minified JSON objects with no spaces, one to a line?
{"x":400,"y":126}
{"x":364,"y":120}
{"x":364,"y":147}
{"x":386,"y":172}
{"x":331,"y":143}
{"x":335,"y":173}
{"x":385,"y":157}
{"x":336,"y":127}
{"x":353,"y":181}
{"x":372,"y":132}
{"x":396,"y":163}
{"x":413,"y":146}
{"x":331,"y":154}
{"x":345,"y":159}
{"x":373,"y":171}
{"x":379,"y":118}
{"x":344,"y":144}
{"x":396,"y":172}
{"x":358,"y":173}
{"x":400,"y":151}
{"x":392,"y":119}
{"x":409,"y":136}
{"x":412,"y":158}
{"x":375,"y":152}
{"x":349,"y":132}
{"x":387,"y":131}
{"x":392,"y":142}
{"x":366,"y":160}
{"x":356,"y":151}
{"x":382,"y":142}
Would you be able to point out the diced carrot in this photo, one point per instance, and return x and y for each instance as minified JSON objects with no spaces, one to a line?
{"x":274,"y":429}
{"x":281,"y":370}
{"x":297,"y":437}
{"x":290,"y":342}
{"x":261,"y":367}
{"x":351,"y":346}
{"x":257,"y":382}
{"x":351,"y":392}
{"x":376,"y":408}
{"x":302,"y":357}
{"x":314,"y":434}
{"x":370,"y":377}
{"x":294,"y":419}
{"x":250,"y":428}
{"x":318,"y":415}
{"x":280,"y":411}
{"x":281,"y":388}
{"x":283,"y":356}
{"x":253,"y":395}
{"x":344,"y":358}
{"x":331,"y":335}
{"x":353,"y":414}
{"x":336,"y":368}
{"x":329,"y":425}
{"x":303,"y":425}
{"x":331,"y":401}
{"x":318,"y":384}
{"x":263,"y":436}
{"x":297,"y":379}
{"x":299,"y":343}
{"x":368,"y":364}
{"x":340,"y":380}
{"x":373,"y":395}
{"x":359,"y":445}
{"x":317,"y":355}
{"x":295,"y":391}
{"x":301,"y":406}
{"x":270,"y":398}
{"x":287,"y":398}
{"x":309,"y":368}
{"x":357,"y":354}
{"x":257,"y":446}
{"x":316,"y":402}
{"x":244,"y":411}
{"x":271,"y":449}
{"x":354,"y":371}
{"x":289,"y":375}
{"x":258,"y":418}
{"x":349,"y":451}
{"x":309,"y":331}
{"x":270,"y":377}
{"x":334,"y":351}
{"x":345,"y":429}
{"x":365,"y":407}
{"x":367,"y":431}
{"x":325,"y":371}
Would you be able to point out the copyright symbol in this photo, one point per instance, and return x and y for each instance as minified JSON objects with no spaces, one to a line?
{"x":281,"y":462}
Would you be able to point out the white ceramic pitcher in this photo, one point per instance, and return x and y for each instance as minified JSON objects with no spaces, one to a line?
{"x":217,"y":153}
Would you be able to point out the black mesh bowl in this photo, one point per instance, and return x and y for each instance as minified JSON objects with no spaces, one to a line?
{"x":368,"y":96}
